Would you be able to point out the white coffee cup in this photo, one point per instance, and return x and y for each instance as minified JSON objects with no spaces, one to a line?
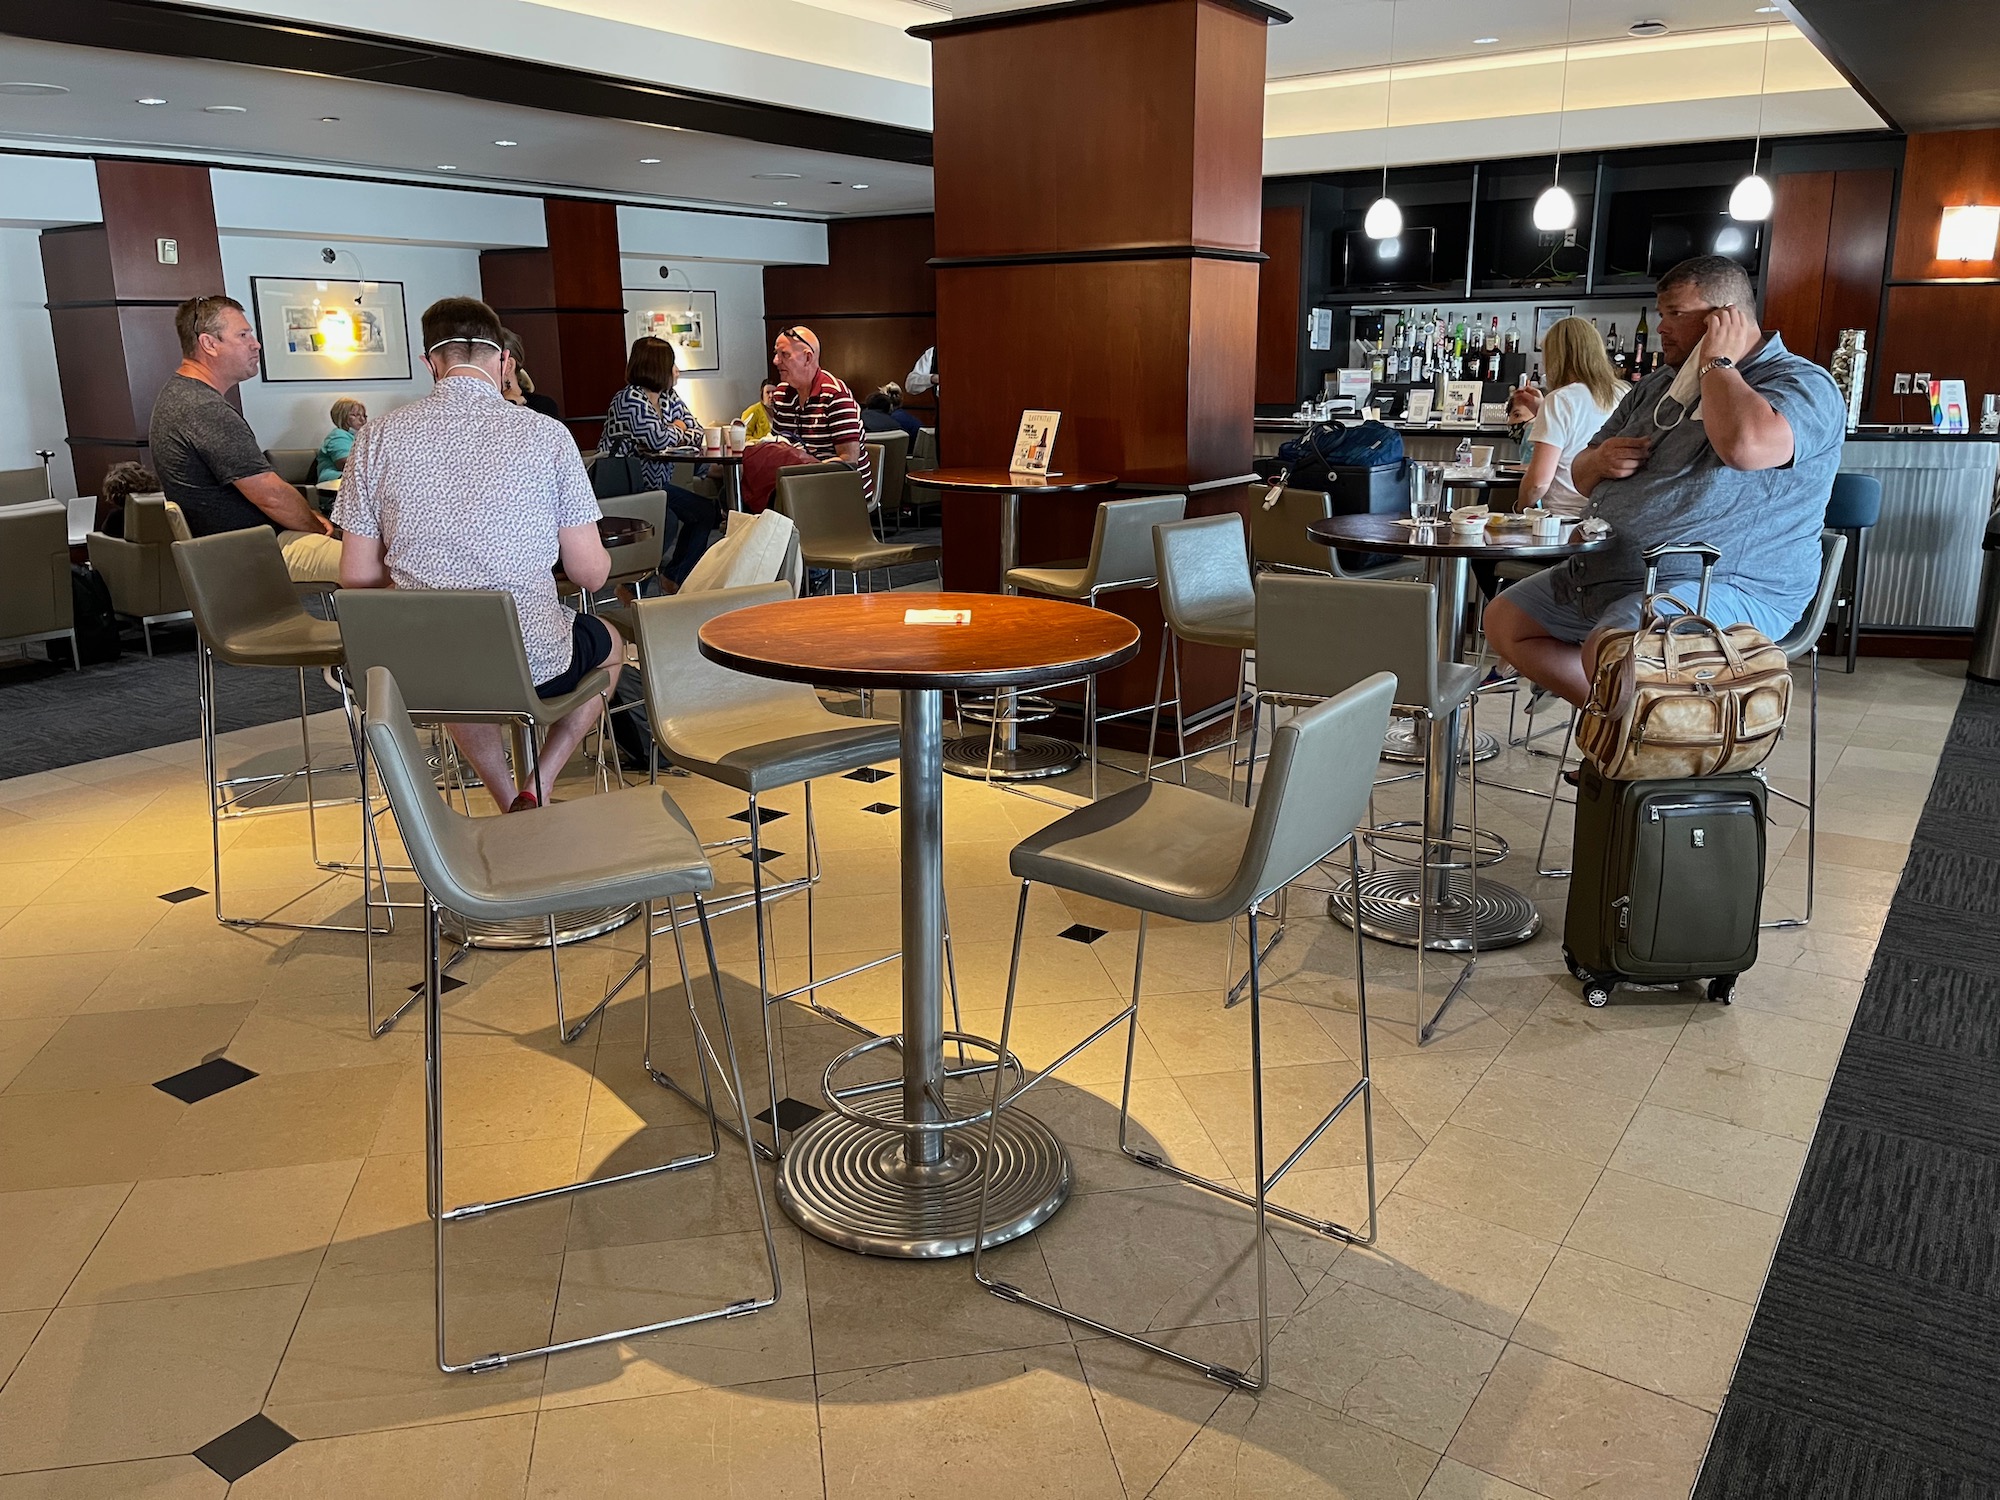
{"x":738,"y":437}
{"x":711,"y":439}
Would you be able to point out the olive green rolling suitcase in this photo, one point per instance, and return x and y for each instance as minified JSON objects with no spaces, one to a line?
{"x":1667,"y":882}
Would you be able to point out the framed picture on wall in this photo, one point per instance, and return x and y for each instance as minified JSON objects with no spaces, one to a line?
{"x":684,"y":319}
{"x":330,"y":330}
{"x":1547,"y":318}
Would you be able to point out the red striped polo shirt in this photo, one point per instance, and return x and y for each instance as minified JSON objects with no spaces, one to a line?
{"x":828,"y":417}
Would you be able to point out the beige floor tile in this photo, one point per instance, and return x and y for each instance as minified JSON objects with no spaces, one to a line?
{"x":939,"y":1309}
{"x":1193,"y":1032}
{"x":1863,"y":853}
{"x":1699,"y":1241}
{"x":1573,"y":1120}
{"x":1447,"y":1262}
{"x":515,"y":1094}
{"x":36,"y":841}
{"x":1163,"y":1121}
{"x":30,"y":879}
{"x":1799,"y":992}
{"x":1383,"y":1361}
{"x":746,"y":1440}
{"x":1750,"y":1167}
{"x":182,"y":1235}
{"x":17,"y":1332}
{"x":92,"y":1051}
{"x":1295,"y":1100}
{"x":1151,"y":1409}
{"x":486,"y":1457}
{"x":280,"y":1120}
{"x":1740,"y":1092}
{"x":1809,"y":1048}
{"x":364,"y":1354}
{"x":141,"y":1479}
{"x":1280,"y":1447}
{"x":1426,"y":1087}
{"x":1565,"y":1432}
{"x":1337,"y":1195}
{"x":1042,"y":1033}
{"x":144,"y":1379}
{"x":90,"y":1136}
{"x":239,"y":967}
{"x":21,"y":1042}
{"x":1614,"y":1051}
{"x":1503,"y":1182}
{"x":994,"y":1425}
{"x":55,"y":927}
{"x":49,"y":986}
{"x":1643,"y":1329}
{"x":715,"y":1198}
{"x":631,"y":1285}
{"x":1456,"y":1481}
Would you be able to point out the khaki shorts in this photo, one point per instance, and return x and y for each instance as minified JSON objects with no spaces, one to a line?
{"x":310,"y":556}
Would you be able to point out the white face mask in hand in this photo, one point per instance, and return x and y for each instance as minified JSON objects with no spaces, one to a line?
{"x":1684,"y":393}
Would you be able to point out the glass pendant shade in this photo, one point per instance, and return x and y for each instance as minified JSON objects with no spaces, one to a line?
{"x":1385,"y":219}
{"x":1555,"y":209}
{"x":1750,"y":203}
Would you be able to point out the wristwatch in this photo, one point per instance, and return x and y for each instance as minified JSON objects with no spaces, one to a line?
{"x":1722,"y":363}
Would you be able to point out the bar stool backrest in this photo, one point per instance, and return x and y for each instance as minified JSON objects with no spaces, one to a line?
{"x":440,"y":842}
{"x":455,"y":653}
{"x":1204,"y":568}
{"x":641,"y":559}
{"x":235,"y":582}
{"x":829,"y":507}
{"x":1316,"y":789}
{"x":1856,"y":501}
{"x":1317,"y":637}
{"x":680,"y":681}
{"x":1121,"y":545}
{"x":894,"y":448}
{"x":1278,"y":534}
{"x":1832,"y":561}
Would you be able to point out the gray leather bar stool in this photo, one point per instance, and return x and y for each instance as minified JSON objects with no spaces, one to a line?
{"x":247,"y":614}
{"x":1278,"y":537}
{"x":830,"y":509}
{"x":631,"y":846}
{"x":1207,"y":597}
{"x":1316,"y":638}
{"x":1121,"y":557}
{"x":458,"y":658}
{"x":1173,"y":852}
{"x":755,"y":734}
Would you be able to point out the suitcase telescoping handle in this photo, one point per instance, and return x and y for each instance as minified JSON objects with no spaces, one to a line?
{"x":1709,"y":554}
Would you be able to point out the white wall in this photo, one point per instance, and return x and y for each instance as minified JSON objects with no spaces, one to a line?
{"x":31,"y":414}
{"x":716,"y":395}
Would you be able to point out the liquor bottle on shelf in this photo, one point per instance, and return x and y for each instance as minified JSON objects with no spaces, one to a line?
{"x":1617,"y":351}
{"x":1377,"y":362}
{"x":1493,"y":334}
{"x":1513,"y":333}
{"x":1493,"y":363}
{"x":1639,"y":339}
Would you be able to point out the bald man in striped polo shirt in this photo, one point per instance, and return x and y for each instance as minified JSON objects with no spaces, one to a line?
{"x":816,"y":410}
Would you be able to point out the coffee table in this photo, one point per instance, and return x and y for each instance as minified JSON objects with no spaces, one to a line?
{"x":892,"y":1170}
{"x":1016,"y":757}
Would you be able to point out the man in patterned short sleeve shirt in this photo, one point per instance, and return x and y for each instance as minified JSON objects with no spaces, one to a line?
{"x":464,"y":490}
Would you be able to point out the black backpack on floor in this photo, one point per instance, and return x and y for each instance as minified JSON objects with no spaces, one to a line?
{"x":94,"y":621}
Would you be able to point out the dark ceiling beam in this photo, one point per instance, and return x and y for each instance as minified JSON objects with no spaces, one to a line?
{"x":164,"y":30}
{"x":1921,"y":64}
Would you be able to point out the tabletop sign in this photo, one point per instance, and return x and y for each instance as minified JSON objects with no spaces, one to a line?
{"x":937,"y":617}
{"x":1035,"y":442}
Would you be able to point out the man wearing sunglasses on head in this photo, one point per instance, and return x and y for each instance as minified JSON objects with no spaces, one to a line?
{"x":1735,"y":442}
{"x":815,"y":409}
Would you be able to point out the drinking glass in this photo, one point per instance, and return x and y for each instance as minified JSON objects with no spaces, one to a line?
{"x":1426,"y":490}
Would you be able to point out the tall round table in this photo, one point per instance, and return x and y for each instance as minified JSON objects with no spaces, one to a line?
{"x":731,"y":465}
{"x":1016,"y":757}
{"x":1386,"y":905}
{"x":894,"y":1173}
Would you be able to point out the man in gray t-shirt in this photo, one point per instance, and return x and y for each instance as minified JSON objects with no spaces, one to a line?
{"x":1735,"y":444}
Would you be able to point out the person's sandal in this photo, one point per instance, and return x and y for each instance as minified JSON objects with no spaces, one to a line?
{"x":524,"y":802}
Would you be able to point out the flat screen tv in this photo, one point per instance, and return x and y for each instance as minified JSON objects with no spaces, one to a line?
{"x":1677,"y":236}
{"x":1407,"y":260}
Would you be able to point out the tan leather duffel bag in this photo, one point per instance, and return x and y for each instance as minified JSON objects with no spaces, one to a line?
{"x":1681,"y":696}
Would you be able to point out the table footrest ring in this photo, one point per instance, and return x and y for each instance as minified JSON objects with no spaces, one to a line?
{"x":1398,"y":843}
{"x":837,"y":1096}
{"x":1028,"y":709}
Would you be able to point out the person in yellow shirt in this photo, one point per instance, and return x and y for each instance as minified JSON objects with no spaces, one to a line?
{"x":756,"y":418}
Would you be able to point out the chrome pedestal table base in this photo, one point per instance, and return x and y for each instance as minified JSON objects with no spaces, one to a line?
{"x":1029,"y":758}
{"x":1503,"y":916}
{"x":1400,"y":745}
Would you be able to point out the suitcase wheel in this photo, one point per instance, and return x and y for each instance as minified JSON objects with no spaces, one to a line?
{"x":1721,"y":988}
{"x":1596,"y":994}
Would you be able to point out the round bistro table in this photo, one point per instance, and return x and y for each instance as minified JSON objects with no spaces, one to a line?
{"x":893,"y":1173}
{"x":730,"y":463}
{"x":1016,"y":757}
{"x":1386,"y":904}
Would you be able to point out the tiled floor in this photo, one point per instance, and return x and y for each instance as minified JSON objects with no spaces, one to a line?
{"x":1577,"y":1206}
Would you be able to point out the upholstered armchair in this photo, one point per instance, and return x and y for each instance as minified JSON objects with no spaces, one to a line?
{"x":138,"y":567}
{"x":34,"y":575}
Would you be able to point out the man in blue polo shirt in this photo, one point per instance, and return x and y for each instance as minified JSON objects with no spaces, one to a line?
{"x":1735,"y":443}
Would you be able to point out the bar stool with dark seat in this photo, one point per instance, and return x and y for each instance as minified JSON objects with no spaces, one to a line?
{"x":1803,"y":641}
{"x":632,"y":846}
{"x":1173,"y":852}
{"x":1121,"y":557}
{"x":1853,"y":509}
{"x":1207,"y":597}
{"x":247,"y":614}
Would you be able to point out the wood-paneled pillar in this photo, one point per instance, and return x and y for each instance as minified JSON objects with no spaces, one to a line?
{"x":1098,"y":173}
{"x":566,"y":304}
{"x":112,"y":299}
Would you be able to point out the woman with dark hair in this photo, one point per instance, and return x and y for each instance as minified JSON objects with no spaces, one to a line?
{"x":517,"y":386}
{"x":647,"y":421}
{"x":121,"y":483}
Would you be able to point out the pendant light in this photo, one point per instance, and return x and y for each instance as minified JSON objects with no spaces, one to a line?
{"x":1385,"y":215}
{"x":1555,"y":209}
{"x":1751,"y":202}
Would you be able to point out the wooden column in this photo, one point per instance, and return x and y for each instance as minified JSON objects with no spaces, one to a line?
{"x":873,"y":304}
{"x":1098,"y":173}
{"x":112,"y":299}
{"x":566,"y":304}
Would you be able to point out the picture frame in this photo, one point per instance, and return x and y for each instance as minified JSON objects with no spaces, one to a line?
{"x":328,"y":331}
{"x":687,"y":320}
{"x":1547,"y":318}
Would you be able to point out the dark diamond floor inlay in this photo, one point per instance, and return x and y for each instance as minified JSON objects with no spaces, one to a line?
{"x":204,"y":1079}
{"x":793,"y":1114}
{"x":1076,"y":932}
{"x":764,"y":815}
{"x":185,"y":893}
{"x":880,"y":808}
{"x":764,"y":856}
{"x":246,"y":1446}
{"x":446,"y":985}
{"x":869,"y":773}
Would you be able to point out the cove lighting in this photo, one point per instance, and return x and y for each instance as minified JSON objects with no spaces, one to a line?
{"x":1968,"y":232}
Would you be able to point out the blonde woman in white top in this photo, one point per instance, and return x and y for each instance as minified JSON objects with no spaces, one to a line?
{"x":1583,"y":392}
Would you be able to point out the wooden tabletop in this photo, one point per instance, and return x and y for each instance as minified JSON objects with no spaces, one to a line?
{"x":1004,"y":481}
{"x":1392,"y":534}
{"x":861,"y":640}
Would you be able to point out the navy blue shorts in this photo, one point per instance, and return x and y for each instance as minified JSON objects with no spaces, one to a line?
{"x":589,"y":644}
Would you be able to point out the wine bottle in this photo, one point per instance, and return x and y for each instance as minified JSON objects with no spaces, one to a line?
{"x":1513,"y":333}
{"x":1639,"y":339}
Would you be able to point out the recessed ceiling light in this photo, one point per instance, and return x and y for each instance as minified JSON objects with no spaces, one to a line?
{"x":1484,"y":41}
{"x":860,"y":187}
{"x":33,"y":90}
{"x":1649,"y":28}
{"x":445,"y":166}
{"x":779,"y":203}
{"x":649,"y":161}
{"x":775,"y":176}
{"x":329,"y":119}
{"x":1765,"y":10}
{"x":506,"y":143}
{"x":149,"y":101}
{"x":223,"y":109}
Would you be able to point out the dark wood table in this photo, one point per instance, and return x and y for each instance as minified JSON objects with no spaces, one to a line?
{"x":1012,"y":757}
{"x":889,"y":1174}
{"x":1387,"y":903}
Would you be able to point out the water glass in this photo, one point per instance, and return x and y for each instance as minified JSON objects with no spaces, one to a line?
{"x":1426,"y":491}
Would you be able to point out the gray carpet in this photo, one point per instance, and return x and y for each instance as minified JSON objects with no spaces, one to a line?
{"x":1872,"y":1367}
